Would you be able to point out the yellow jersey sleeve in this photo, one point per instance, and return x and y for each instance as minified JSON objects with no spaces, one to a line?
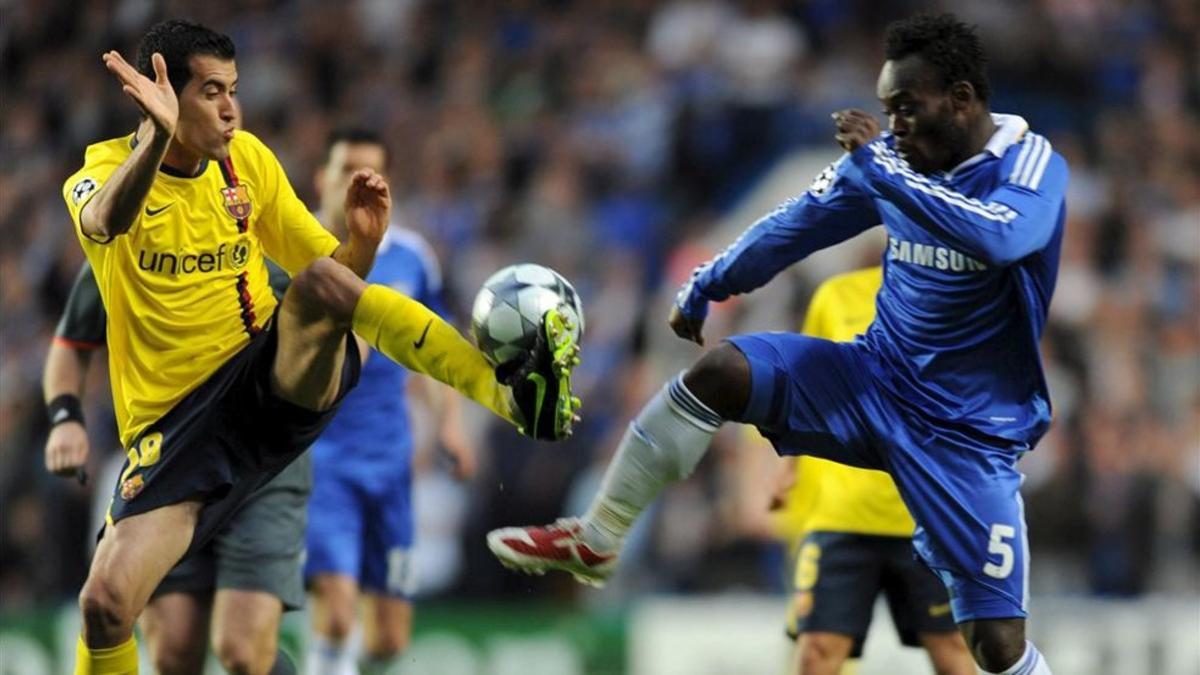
{"x":290,"y":234}
{"x":100,"y":161}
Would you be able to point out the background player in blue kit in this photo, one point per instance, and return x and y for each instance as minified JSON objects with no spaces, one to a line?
{"x":360,"y":515}
{"x":945,"y":391}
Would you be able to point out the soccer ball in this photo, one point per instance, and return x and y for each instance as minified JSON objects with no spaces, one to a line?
{"x":508,"y":310}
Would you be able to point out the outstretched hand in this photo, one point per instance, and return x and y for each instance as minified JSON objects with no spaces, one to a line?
{"x":686,"y":328}
{"x":368,"y":206}
{"x":155,"y":97}
{"x":855,"y":128}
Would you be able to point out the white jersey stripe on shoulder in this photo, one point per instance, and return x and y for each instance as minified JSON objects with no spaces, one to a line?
{"x":893,"y":164}
{"x":1034,"y":158}
{"x":1041,"y":167}
{"x":1024,"y":155}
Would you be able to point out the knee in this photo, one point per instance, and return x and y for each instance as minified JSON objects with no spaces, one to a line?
{"x":330,"y":286}
{"x":245,"y":654}
{"x":721,"y":381}
{"x":107,"y":614}
{"x":817,"y":654}
{"x":998,"y":644}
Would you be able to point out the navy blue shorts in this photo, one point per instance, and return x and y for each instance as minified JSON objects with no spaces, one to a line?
{"x":839,"y":575}
{"x":817,"y":397}
{"x":226,"y":439}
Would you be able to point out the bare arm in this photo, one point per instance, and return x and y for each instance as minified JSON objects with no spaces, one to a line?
{"x":65,"y":372}
{"x":114,"y":208}
{"x":446,"y":406}
{"x":368,"y":211}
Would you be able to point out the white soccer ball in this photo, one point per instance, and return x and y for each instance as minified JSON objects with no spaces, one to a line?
{"x":508,"y":310}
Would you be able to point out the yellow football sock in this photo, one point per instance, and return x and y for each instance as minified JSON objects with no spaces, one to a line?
{"x":119,"y":660}
{"x":410,"y":334}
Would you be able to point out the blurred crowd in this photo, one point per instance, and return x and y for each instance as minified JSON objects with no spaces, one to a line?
{"x":606,"y":140}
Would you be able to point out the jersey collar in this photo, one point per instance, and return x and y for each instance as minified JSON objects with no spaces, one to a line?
{"x":1009,"y":129}
{"x":170,"y":171}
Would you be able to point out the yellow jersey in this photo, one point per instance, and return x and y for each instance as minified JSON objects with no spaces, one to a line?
{"x":186,"y":287}
{"x":828,"y":496}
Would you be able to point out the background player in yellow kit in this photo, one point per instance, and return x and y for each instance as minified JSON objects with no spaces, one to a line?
{"x":857,"y":534}
{"x":216,"y":389}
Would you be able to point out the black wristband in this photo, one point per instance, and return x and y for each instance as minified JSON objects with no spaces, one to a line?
{"x":64,"y":408}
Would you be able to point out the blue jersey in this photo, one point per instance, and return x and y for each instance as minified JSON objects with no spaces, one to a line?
{"x":372,"y":425}
{"x":969,"y":270}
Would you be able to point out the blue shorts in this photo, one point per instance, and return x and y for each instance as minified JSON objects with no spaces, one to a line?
{"x":360,"y":522}
{"x":821,"y":398}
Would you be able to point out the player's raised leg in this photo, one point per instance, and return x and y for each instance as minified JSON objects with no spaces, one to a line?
{"x":662,"y":445}
{"x":175,"y":629}
{"x":132,"y":558}
{"x":328,"y":299}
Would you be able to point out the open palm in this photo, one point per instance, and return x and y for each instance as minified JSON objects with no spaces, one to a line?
{"x":155,"y":97}
{"x":368,"y":206}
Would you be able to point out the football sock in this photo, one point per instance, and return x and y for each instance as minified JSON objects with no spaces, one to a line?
{"x":662,"y":445}
{"x":119,"y":660}
{"x":410,"y":334}
{"x":326,"y":657}
{"x":1031,"y":663}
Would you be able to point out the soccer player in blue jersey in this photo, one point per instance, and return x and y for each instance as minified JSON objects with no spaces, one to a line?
{"x":360,"y":518}
{"x":944,"y":391}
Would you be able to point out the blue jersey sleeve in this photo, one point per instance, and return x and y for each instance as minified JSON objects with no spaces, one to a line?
{"x":831,"y":211}
{"x":1015,"y":220}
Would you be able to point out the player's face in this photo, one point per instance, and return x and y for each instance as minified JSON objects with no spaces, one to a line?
{"x":208,"y":108}
{"x":929,"y":124}
{"x":344,"y":159}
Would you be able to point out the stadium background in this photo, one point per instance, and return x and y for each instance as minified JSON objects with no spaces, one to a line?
{"x":621,"y":142}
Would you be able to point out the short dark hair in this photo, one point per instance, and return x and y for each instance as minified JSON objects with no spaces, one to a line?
{"x":178,"y":40}
{"x":949,"y":45}
{"x":356,"y":135}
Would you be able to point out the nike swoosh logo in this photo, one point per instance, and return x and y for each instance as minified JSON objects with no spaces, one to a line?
{"x":155,"y":212}
{"x":421,"y":341}
{"x":59,"y":416}
{"x":538,"y":400}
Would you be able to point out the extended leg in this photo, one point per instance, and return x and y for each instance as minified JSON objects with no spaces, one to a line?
{"x":663,"y":445}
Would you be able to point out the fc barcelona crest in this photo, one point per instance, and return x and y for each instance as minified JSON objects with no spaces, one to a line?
{"x":237,"y":201}
{"x":131,"y":487}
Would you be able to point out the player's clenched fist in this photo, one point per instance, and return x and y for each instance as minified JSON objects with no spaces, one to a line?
{"x":66,"y":448}
{"x":855,"y":128}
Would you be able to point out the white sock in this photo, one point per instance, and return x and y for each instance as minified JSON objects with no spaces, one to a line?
{"x":1031,"y":663}
{"x":664,"y":444}
{"x":326,"y":657}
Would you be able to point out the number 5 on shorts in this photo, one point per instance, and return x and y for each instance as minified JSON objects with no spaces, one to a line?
{"x":997,"y":545}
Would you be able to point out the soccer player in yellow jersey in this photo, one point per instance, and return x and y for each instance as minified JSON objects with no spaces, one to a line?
{"x":215,"y":388}
{"x":857,"y":534}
